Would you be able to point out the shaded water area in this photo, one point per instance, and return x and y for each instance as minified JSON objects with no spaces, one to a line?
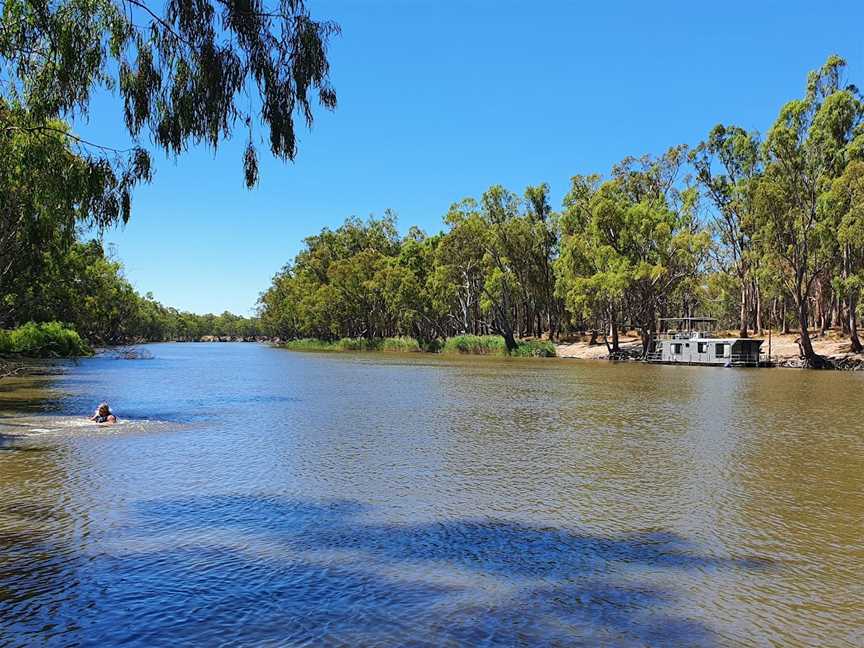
{"x":258,"y":497}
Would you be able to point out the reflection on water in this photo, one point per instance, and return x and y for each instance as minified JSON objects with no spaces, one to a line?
{"x":253,"y":496}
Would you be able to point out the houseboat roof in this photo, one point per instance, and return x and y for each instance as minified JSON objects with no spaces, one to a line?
{"x":712,"y":339}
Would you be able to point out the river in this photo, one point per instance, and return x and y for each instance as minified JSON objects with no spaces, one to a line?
{"x":253,"y":496}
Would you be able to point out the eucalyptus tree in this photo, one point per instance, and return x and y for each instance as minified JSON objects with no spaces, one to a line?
{"x":631,"y":243}
{"x":728,"y":168}
{"x":187,"y":73}
{"x":805,"y":150}
{"x":846,"y":201}
{"x":649,"y":222}
{"x":47,"y":191}
{"x":545,"y":242}
{"x":591,"y":271}
{"x":498,"y":209}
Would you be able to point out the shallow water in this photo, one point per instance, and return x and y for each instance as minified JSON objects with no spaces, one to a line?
{"x":258,"y":497}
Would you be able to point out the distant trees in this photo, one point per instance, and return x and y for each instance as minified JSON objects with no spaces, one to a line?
{"x":83,"y":287}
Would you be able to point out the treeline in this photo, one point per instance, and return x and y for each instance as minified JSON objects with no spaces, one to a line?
{"x":756,"y":231}
{"x":83,"y":288}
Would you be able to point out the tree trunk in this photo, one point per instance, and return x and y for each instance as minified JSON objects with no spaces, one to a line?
{"x":804,"y":342}
{"x":645,"y":335}
{"x":614,"y":326}
{"x":509,"y":341}
{"x":758,"y":306}
{"x":853,"y":327}
{"x":742,"y":315}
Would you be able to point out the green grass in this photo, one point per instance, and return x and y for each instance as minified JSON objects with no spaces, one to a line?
{"x":47,"y":340}
{"x":534,"y":349}
{"x":494,"y":345}
{"x":475,"y":345}
{"x":310,"y":344}
{"x":353,"y":344}
{"x":359,"y":344}
{"x":400,"y":345}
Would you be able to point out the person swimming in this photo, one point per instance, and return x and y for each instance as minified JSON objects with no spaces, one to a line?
{"x":103,"y":414}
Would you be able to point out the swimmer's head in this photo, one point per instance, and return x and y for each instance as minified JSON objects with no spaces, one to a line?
{"x":103,"y":409}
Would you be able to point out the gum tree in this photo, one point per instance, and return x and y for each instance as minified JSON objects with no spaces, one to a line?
{"x":846,"y":202}
{"x":634,"y":242}
{"x":186,"y":73}
{"x":728,"y":168}
{"x":806,"y":149}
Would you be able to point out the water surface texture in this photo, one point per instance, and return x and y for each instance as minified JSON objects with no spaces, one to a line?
{"x":258,"y":497}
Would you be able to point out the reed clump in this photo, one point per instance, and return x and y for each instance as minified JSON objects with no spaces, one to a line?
{"x":402,"y":344}
{"x":494,"y":345}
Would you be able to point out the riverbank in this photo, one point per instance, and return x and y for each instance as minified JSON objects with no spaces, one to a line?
{"x":784,"y":350}
{"x":491,"y":345}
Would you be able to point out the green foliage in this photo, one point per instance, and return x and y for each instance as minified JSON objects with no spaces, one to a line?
{"x":475,"y":345}
{"x":805,"y":152}
{"x":359,"y":344}
{"x":395,"y":344}
{"x":46,"y":340}
{"x":495,"y":345}
{"x":767,"y":225}
{"x":311,"y":344}
{"x":400,"y":344}
{"x":534,"y":349}
{"x":85,"y":288}
{"x":631,"y":244}
{"x":186,"y":72}
{"x":49,"y":192}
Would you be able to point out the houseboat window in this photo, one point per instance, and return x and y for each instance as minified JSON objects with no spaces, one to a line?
{"x":676,"y":349}
{"x":702,"y":347}
{"x":718,"y":350}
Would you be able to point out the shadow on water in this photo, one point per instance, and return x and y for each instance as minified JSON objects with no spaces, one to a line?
{"x":260,"y":570}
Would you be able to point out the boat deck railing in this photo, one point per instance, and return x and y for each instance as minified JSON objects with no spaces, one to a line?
{"x":747,"y":359}
{"x":684,"y":335}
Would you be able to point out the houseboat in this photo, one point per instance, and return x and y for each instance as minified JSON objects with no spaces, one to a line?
{"x":693,"y":340}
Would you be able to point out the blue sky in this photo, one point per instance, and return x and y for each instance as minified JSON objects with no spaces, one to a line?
{"x":440,"y":100}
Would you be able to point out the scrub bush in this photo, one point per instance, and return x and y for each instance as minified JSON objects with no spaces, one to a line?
{"x":45,"y":340}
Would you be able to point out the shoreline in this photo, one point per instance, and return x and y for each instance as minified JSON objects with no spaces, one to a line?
{"x":784,"y":351}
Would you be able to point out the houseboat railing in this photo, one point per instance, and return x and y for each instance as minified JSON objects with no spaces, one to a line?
{"x":693,"y":335}
{"x":745,"y":358}
{"x":735,"y":358}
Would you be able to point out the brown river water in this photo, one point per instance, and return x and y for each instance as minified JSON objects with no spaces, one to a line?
{"x":258,"y":497}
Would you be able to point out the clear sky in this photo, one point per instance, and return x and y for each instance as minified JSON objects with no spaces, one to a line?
{"x":440,"y":100}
